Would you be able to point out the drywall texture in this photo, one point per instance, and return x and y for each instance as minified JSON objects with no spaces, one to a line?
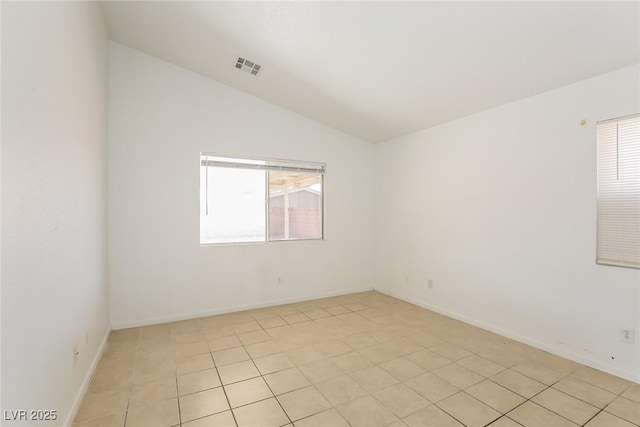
{"x":161,"y":118}
{"x":54,"y":253}
{"x":499,"y":210}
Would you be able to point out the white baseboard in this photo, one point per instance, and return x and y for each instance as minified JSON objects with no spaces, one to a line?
{"x":186,"y":316}
{"x":85,"y":383}
{"x":558,"y":351}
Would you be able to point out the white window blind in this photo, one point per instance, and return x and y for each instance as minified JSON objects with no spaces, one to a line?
{"x":619,"y":192}
{"x":271,"y":165}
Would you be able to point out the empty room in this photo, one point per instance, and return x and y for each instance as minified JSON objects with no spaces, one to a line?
{"x":320,"y":214}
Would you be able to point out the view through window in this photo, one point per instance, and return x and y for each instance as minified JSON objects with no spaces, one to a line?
{"x":259,"y":200}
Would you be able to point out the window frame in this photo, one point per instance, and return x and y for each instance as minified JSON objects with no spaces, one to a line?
{"x":600,"y":261}
{"x":267,"y":239}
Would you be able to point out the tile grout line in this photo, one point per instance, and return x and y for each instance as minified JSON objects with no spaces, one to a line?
{"x":224,"y":390}
{"x":138,"y":342}
{"x":133,"y":376}
{"x":297,"y":367}
{"x":534,"y":379}
{"x":270,"y":389}
{"x":262,"y":376}
{"x":370,"y":319}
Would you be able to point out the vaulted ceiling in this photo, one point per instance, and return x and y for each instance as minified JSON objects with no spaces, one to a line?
{"x":378,"y":70}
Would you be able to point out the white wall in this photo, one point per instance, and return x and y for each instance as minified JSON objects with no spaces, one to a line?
{"x":54,"y":255}
{"x":499,"y":209}
{"x":161,"y":117}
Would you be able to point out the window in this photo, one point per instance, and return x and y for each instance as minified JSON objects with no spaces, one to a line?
{"x":259,"y":200}
{"x":619,"y":192}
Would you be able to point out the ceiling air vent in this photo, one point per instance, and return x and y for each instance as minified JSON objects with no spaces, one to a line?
{"x":248,"y":66}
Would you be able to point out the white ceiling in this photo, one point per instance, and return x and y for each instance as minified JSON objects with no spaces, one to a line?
{"x":380,"y":70}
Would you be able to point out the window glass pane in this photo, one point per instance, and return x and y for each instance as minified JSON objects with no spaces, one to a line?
{"x":295,"y":205}
{"x":232,"y":205}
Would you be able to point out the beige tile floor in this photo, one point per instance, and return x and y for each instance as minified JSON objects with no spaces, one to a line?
{"x":357,"y":360}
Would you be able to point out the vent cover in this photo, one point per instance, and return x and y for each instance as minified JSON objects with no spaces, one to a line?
{"x":248,"y":66}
